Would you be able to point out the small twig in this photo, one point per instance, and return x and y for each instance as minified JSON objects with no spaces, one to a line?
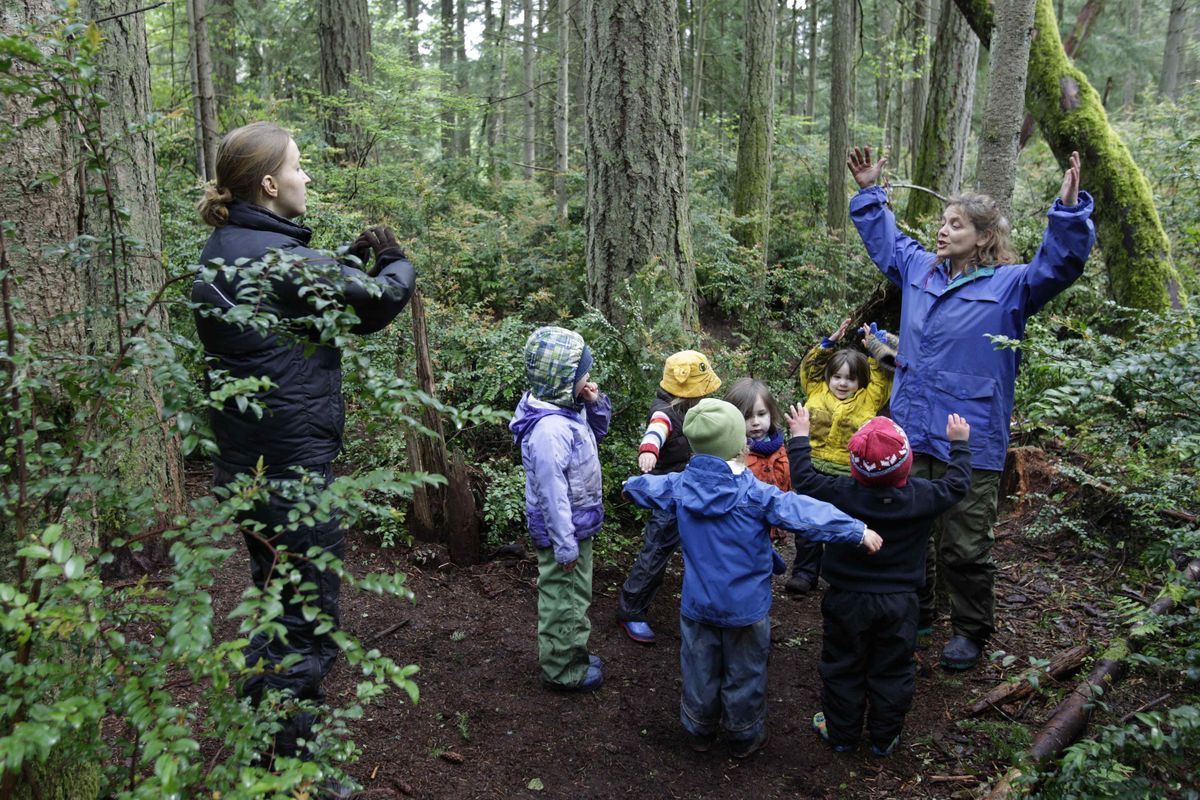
{"x":390,"y":629}
{"x":952,"y":779}
{"x":129,"y":13}
{"x":915,"y":187}
{"x":1144,"y":707}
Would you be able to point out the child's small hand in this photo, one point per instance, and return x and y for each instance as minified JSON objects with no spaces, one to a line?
{"x":797,"y":420}
{"x":646,"y":461}
{"x":590,"y":392}
{"x":837,"y":335}
{"x":871,"y":541}
{"x":957,"y":428}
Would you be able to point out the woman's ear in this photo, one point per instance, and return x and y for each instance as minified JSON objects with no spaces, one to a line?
{"x":269,"y":187}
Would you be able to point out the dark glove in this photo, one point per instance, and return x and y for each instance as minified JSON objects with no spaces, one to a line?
{"x":360,"y":248}
{"x":383,"y":243}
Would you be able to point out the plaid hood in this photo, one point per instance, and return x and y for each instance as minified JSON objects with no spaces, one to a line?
{"x":552,"y":355}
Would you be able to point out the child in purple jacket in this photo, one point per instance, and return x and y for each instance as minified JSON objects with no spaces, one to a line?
{"x":557,"y":425}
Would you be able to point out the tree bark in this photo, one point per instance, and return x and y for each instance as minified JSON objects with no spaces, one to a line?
{"x":1071,"y":46}
{"x":810,"y":97}
{"x":1175,"y":48}
{"x":1136,"y":252}
{"x":752,"y":181}
{"x":635,"y":145}
{"x":697,"y":65}
{"x":446,"y":64}
{"x":561,"y":116}
{"x":529,"y":151}
{"x":1004,"y":109}
{"x":794,"y":59}
{"x":919,"y":87}
{"x":1132,"y":11}
{"x":223,"y":16}
{"x":947,"y":123}
{"x":1061,"y":665}
{"x":344,"y":36}
{"x":205,"y":104}
{"x":462,"y":131}
{"x":412,"y":13}
{"x":837,"y":215}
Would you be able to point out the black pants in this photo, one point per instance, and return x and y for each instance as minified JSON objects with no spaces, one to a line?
{"x":661,"y":541}
{"x":318,"y":651}
{"x":867,"y":658}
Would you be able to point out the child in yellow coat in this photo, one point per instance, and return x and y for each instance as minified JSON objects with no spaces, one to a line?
{"x":845,"y":390}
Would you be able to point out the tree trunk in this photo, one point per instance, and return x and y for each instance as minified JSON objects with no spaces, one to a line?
{"x":561,"y":115}
{"x":1132,"y":11}
{"x":1175,"y":49}
{"x":947,"y":123}
{"x":223,"y":16}
{"x":810,"y":97}
{"x":529,"y":151}
{"x":752,"y":182}
{"x":999,"y":138}
{"x":919,"y":86}
{"x":794,"y":59}
{"x":837,"y":214}
{"x":637,"y":188}
{"x":1071,"y":46}
{"x":462,"y":131}
{"x":205,"y":104}
{"x":697,"y":65}
{"x":1141,"y":273}
{"x":412,"y":13}
{"x":344,"y":36}
{"x":446,"y":64}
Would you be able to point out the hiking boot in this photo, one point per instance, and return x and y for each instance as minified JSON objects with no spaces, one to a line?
{"x":744,"y":748}
{"x":960,"y":653}
{"x":639,"y":631}
{"x":592,"y":680}
{"x":594,"y":661}
{"x":800,"y":584}
{"x":820,"y":728}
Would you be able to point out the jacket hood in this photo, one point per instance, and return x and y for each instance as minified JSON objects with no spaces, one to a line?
{"x":529,"y":411}
{"x":552,"y":355}
{"x":708,"y":487}
{"x":248,"y":215}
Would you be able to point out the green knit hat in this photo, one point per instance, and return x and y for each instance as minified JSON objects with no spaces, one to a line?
{"x":715,"y":428}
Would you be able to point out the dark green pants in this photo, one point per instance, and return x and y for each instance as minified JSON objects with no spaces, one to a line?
{"x":563,"y":624}
{"x":960,"y":551}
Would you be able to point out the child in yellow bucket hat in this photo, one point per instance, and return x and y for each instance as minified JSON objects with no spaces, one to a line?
{"x":687,"y":377}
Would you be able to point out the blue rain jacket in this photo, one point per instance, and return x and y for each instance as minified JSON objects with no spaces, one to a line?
{"x":945,"y":362}
{"x":724,"y":523}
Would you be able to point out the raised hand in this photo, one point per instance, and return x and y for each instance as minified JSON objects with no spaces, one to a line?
{"x":1069,"y":194}
{"x":865,"y":173}
{"x":798,"y":420}
{"x":590,"y":392}
{"x":957,"y":428}
{"x":837,"y":335}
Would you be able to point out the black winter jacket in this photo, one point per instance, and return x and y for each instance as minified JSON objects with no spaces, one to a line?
{"x":676,"y":451}
{"x":304,"y":413}
{"x":902,"y":516}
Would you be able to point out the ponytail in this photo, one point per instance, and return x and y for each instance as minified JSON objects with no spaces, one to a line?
{"x":214,"y":206}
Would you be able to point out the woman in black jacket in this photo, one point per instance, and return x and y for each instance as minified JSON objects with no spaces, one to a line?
{"x":262,"y":260}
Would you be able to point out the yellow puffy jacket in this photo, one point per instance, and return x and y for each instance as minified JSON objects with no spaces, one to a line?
{"x":834,"y":421}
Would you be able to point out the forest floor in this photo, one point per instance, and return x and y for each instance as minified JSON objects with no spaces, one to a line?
{"x":485,"y":728}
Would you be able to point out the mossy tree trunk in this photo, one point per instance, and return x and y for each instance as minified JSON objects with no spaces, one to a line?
{"x":637,"y":212}
{"x":1071,"y":117}
{"x":752,"y":182}
{"x":344,"y":35}
{"x":947,"y":124}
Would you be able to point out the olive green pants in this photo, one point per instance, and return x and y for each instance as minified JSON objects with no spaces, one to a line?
{"x":563,"y":624}
{"x":960,"y":553}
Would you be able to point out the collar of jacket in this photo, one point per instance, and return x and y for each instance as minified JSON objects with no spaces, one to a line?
{"x":248,"y":215}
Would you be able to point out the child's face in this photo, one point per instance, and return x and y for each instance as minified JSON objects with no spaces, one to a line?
{"x":843,"y":383}
{"x":758,"y":421}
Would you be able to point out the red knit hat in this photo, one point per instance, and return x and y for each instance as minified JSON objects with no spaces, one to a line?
{"x":879,"y":454}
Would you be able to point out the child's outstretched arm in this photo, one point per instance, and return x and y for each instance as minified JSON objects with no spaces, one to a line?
{"x":819,"y":521}
{"x":599,"y":410}
{"x":805,"y":479}
{"x":812,"y":368}
{"x":657,"y":431}
{"x":651,"y":491}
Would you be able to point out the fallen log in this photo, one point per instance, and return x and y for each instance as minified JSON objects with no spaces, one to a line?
{"x":1070,"y":717}
{"x":1060,"y":666}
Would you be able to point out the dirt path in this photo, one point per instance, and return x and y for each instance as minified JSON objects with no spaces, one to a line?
{"x":473,"y":634}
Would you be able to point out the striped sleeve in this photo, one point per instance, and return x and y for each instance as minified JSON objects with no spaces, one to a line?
{"x":657,"y":431}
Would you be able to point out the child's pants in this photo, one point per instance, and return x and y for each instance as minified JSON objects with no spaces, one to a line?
{"x":662,"y":540}
{"x":808,"y":553}
{"x":563,"y":624}
{"x":724,"y":678}
{"x":867,"y":655}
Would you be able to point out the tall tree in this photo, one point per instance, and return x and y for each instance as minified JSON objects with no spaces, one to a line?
{"x":223,"y":29}
{"x":561,"y":116}
{"x":810,"y":96}
{"x":999,"y":137}
{"x":698,"y":9}
{"x":344,"y":36}
{"x":635,"y":146}
{"x":1132,"y":14}
{"x":529,"y":152}
{"x":752,"y":181}
{"x":462,"y":132}
{"x":412,"y":16}
{"x":1175,"y":49}
{"x":922,"y":28}
{"x":947,"y":124}
{"x":1071,"y":117}
{"x":48,"y":214}
{"x":837,"y":215}
{"x":204,"y":104}
{"x":446,"y":63}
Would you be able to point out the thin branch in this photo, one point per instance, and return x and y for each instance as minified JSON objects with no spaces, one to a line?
{"x":129,"y":13}
{"x":898,"y":185}
{"x":515,"y":96}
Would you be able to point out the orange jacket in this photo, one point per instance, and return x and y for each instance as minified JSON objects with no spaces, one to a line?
{"x":772,"y":469}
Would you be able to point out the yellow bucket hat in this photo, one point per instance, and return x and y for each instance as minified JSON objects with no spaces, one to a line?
{"x":688,"y":374}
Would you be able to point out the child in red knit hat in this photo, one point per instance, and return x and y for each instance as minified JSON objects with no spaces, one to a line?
{"x":870,"y":610}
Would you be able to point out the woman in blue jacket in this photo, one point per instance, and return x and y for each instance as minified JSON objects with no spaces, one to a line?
{"x":266,"y":265}
{"x":951,"y":301}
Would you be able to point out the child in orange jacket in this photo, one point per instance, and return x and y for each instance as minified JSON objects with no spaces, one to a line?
{"x":767,"y":458}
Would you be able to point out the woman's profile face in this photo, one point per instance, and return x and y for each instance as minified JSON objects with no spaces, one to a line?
{"x":289,"y":186}
{"x":957,"y":238}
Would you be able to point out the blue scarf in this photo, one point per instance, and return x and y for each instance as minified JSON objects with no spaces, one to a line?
{"x":766,"y":445}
